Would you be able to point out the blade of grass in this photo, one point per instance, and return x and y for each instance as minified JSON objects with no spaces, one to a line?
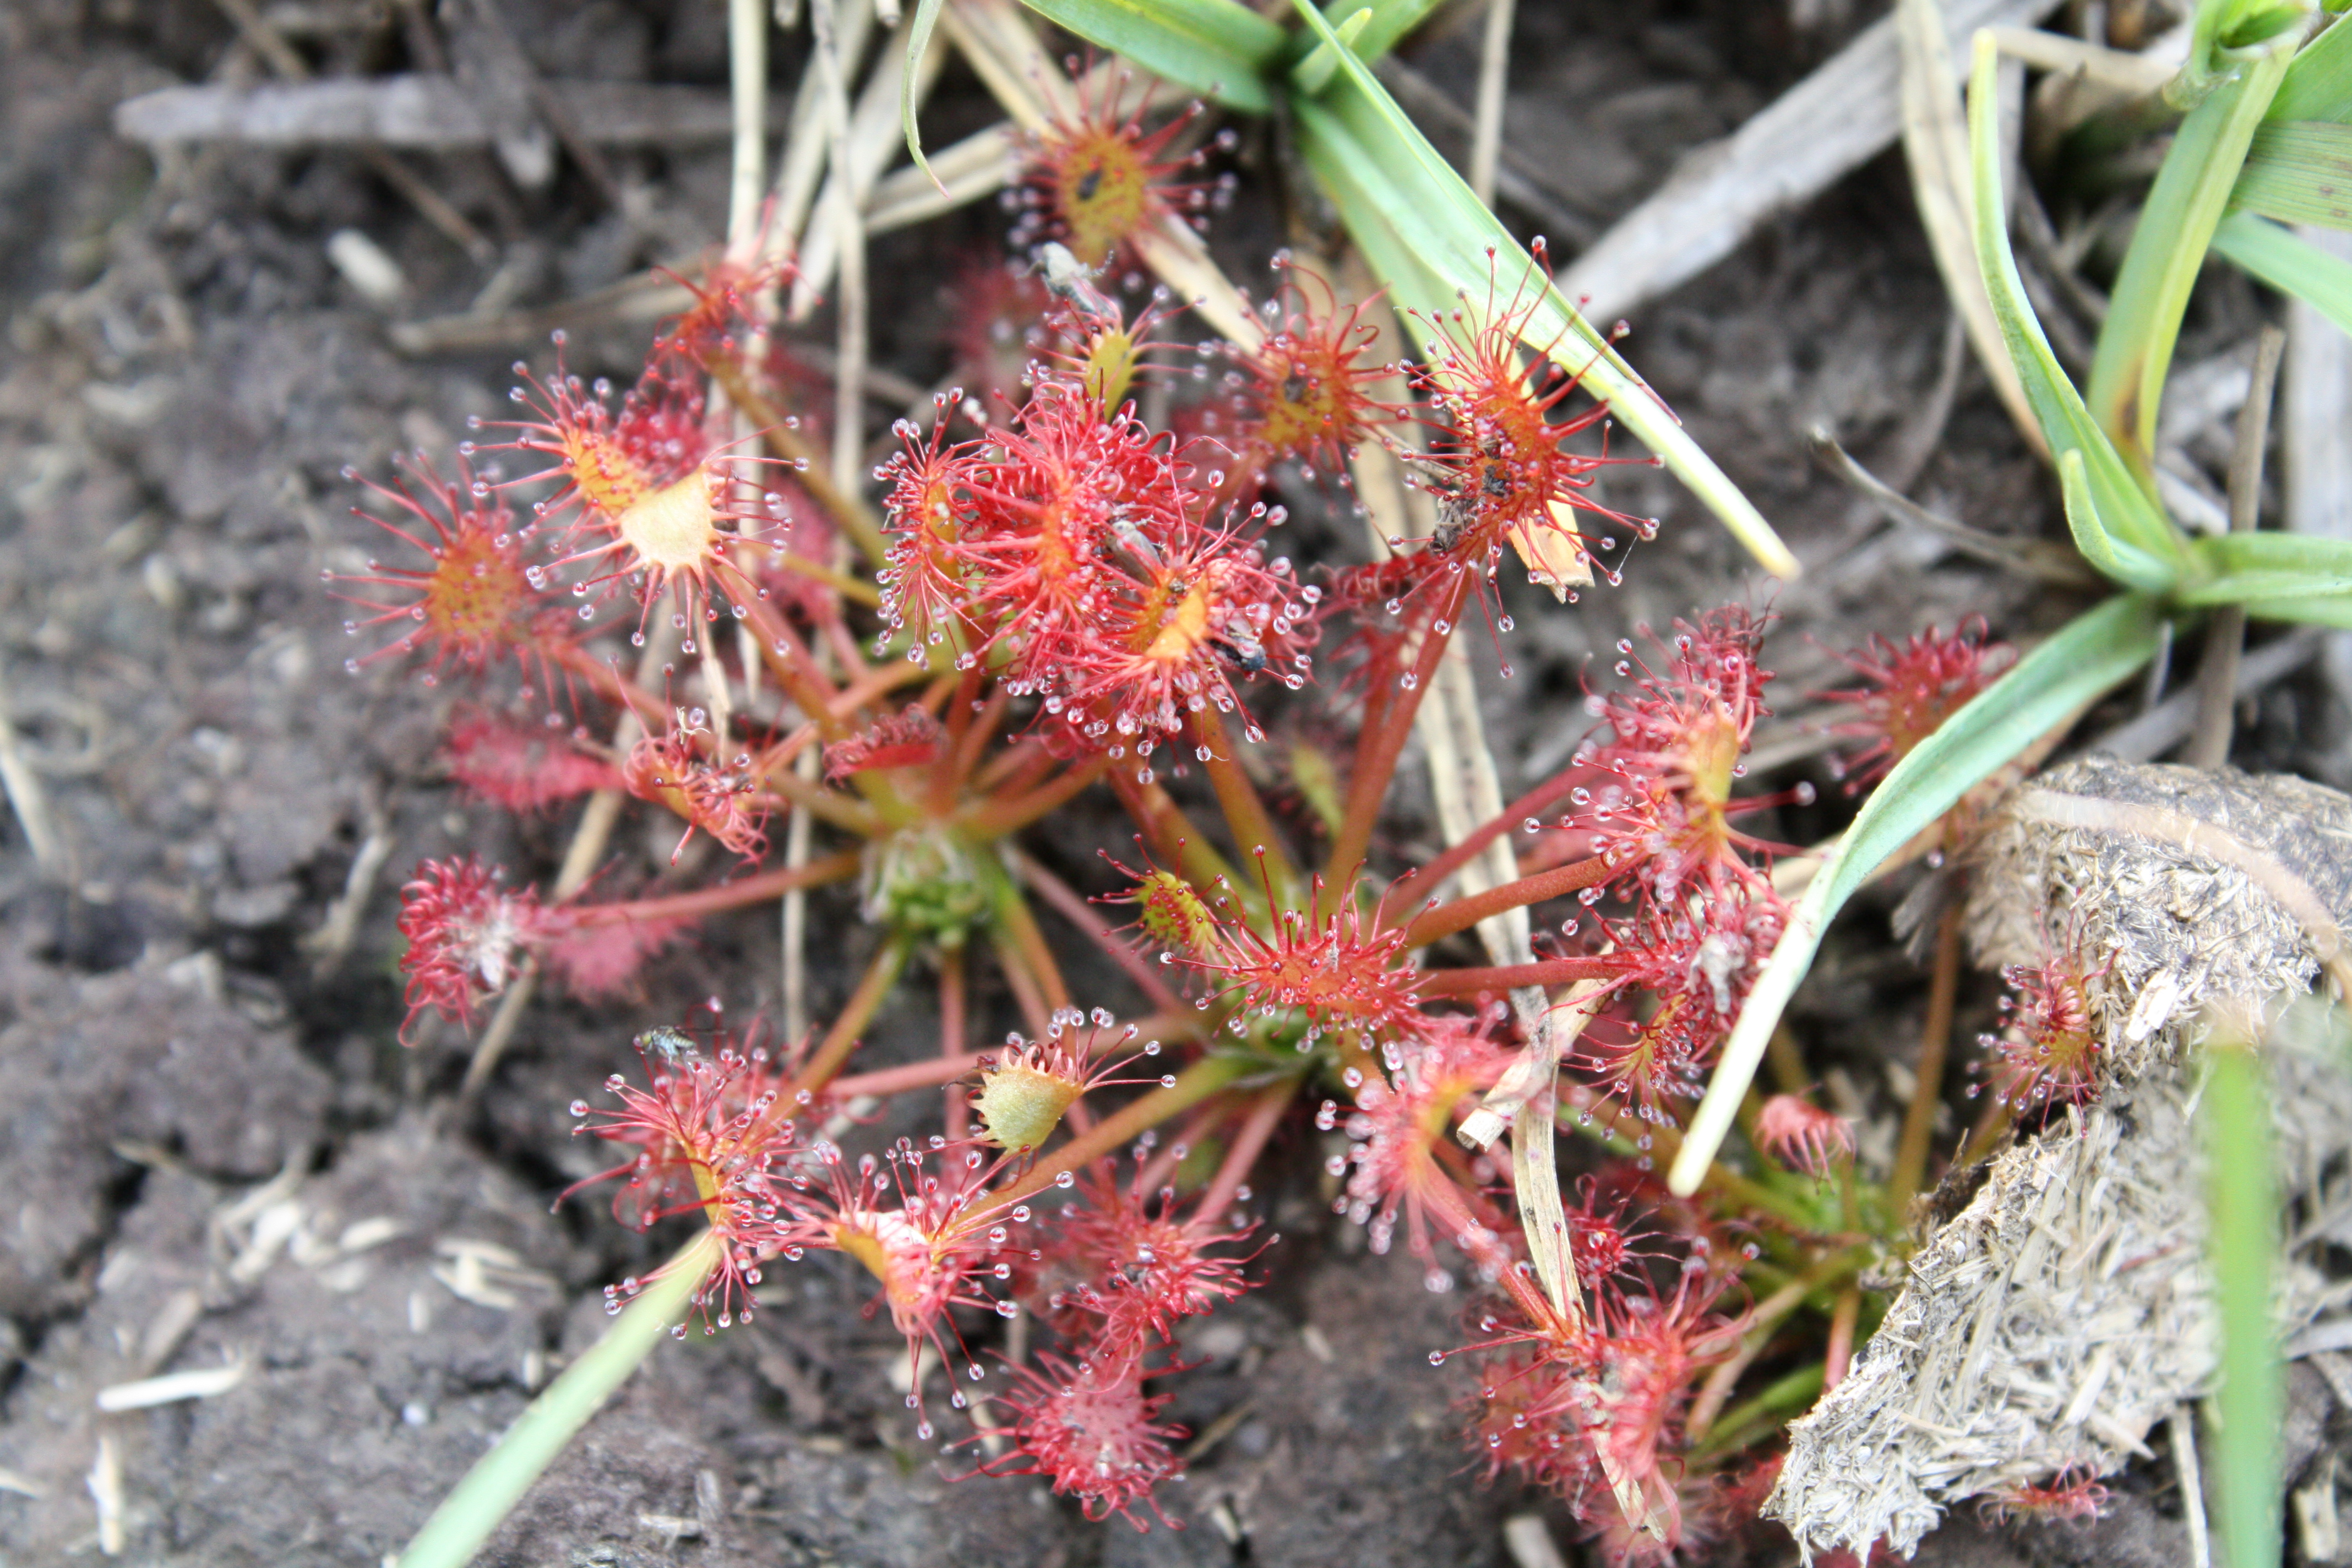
{"x":2288,"y":264}
{"x":1216,"y":47}
{"x":2268,"y":565}
{"x":1313,"y":74}
{"x":2169,"y":244}
{"x":918,"y":40}
{"x":499,"y":1478}
{"x":2125,"y":562}
{"x":1390,"y":20}
{"x":2318,"y":85}
{"x":2096,"y":651}
{"x":2243,"y":1244}
{"x":2298,"y":171}
{"x":1365,"y":196}
{"x":2122,"y":506}
{"x":2331,"y":612}
{"x":1404,"y":195}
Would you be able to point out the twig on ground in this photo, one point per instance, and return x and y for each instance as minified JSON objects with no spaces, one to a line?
{"x":977,"y":166}
{"x":875,"y":140}
{"x":794,"y":913}
{"x":2134,"y":73}
{"x":2315,"y":460}
{"x":1916,"y":439}
{"x":331,"y":943}
{"x":2042,"y":243}
{"x":1528,"y":1541}
{"x":1831,"y":123}
{"x":2056,"y":564}
{"x":646,"y":296}
{"x":552,"y":106}
{"x":1927,"y":1093}
{"x":747,"y":85}
{"x":283,"y":59}
{"x":421,"y":111}
{"x":27,"y":796}
{"x":2225,"y":633}
{"x":849,"y":307}
{"x":1936,"y":146}
{"x":2170,"y":723}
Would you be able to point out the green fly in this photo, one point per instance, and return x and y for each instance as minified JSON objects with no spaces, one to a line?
{"x":673,"y":1045}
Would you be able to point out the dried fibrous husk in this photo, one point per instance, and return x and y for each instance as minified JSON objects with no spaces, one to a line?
{"x":2089,"y":859}
{"x":2066,"y":1309}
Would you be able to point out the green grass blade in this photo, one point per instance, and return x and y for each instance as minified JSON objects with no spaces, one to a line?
{"x":2318,"y":85}
{"x":2252,"y":589}
{"x":2336,"y":611}
{"x":2243,"y":1246}
{"x":2238,"y":568}
{"x":1424,"y":208}
{"x":2289,"y":265}
{"x":918,"y":40}
{"x":2299,"y":172}
{"x":1311,"y":75}
{"x":2125,"y":562}
{"x":2124,"y":509}
{"x":2096,"y":651}
{"x":1391,"y":21}
{"x":482,"y":1501}
{"x":1361,"y":188}
{"x":1216,"y":47}
{"x":2167,"y":247}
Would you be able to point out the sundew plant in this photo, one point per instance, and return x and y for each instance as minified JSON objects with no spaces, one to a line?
{"x":1044,"y":598}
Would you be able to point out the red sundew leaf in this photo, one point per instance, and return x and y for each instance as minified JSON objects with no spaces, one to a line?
{"x":717,"y":799}
{"x":906,"y":739}
{"x":595,"y":962}
{"x":467,"y":936}
{"x":478,"y":595}
{"x":1911,"y":689}
{"x":522,"y":768}
{"x":1089,"y":1429}
{"x":1095,"y":179}
{"x":1801,"y":1136}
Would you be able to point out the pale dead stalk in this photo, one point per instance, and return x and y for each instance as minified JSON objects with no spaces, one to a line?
{"x":795,"y":908}
{"x":1936,"y":145}
{"x":850,"y":305}
{"x":747,"y":81}
{"x":26,"y":795}
{"x":1493,"y":68}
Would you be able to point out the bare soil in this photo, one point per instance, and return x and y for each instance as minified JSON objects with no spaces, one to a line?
{"x":214,"y":1149}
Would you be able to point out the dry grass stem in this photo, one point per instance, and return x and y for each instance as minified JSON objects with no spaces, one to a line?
{"x":875,"y":140}
{"x":1936,"y":145}
{"x":1494,"y":85}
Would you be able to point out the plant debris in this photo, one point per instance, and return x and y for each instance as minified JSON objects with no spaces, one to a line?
{"x":2066,"y":1308}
